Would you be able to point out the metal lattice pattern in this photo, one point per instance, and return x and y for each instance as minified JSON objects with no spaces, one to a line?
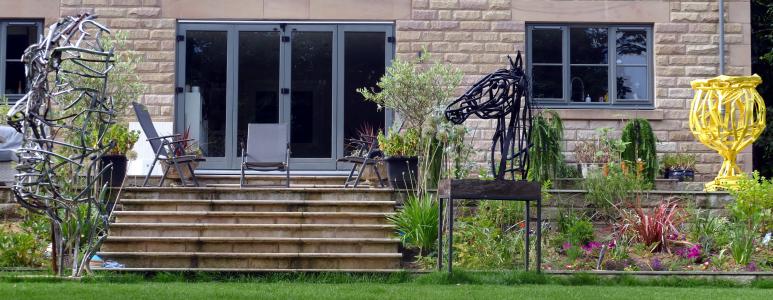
{"x":501,"y":95}
{"x":727,"y":115}
{"x":63,"y":119}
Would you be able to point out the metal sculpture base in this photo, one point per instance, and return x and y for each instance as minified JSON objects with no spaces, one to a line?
{"x":474,"y":189}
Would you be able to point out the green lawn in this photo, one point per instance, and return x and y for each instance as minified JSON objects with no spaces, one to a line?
{"x":319,"y":291}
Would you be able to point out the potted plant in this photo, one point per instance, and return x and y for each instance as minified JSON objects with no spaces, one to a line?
{"x":417,"y":91}
{"x":122,"y":140}
{"x":587,"y":158}
{"x":679,"y":166}
{"x":401,"y":160}
{"x":187,"y":146}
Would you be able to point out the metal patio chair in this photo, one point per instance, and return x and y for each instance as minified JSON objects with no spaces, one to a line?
{"x":365,"y":153}
{"x":168,"y":149}
{"x":267,"y":149}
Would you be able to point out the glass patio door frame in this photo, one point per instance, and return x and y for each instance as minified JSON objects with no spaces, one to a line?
{"x":389,"y":53}
{"x":302,"y":163}
{"x":231,"y":160}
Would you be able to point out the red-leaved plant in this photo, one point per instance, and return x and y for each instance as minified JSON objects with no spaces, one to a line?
{"x":655,"y":226}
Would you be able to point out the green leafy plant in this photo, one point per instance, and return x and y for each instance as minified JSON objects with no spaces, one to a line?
{"x":753,"y":203}
{"x":546,"y":153}
{"x":4,"y":108}
{"x":122,"y":138}
{"x":399,"y":144}
{"x":742,"y":243}
{"x":24,"y":246}
{"x":612,"y":190}
{"x":708,"y":229}
{"x":482,"y":245}
{"x":417,"y":223}
{"x":640,"y":140}
{"x":575,"y":231}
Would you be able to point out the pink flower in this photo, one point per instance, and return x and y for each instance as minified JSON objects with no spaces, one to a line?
{"x":567,"y":245}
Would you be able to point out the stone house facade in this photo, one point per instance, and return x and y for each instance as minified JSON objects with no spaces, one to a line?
{"x":473,"y":35}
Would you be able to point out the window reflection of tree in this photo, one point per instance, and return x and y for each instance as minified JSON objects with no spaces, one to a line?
{"x":589,"y":45}
{"x":631,"y":43}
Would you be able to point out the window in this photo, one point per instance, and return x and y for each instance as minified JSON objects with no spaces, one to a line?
{"x":15,"y":37}
{"x":591,"y":65}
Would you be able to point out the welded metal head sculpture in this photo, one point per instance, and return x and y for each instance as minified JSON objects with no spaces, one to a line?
{"x":501,"y":95}
{"x":63,"y":118}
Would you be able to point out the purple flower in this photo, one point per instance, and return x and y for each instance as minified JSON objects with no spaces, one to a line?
{"x":694,"y":252}
{"x":589,"y":247}
{"x":567,"y":245}
{"x":656,"y":264}
{"x":612,"y":244}
{"x":751,"y":267}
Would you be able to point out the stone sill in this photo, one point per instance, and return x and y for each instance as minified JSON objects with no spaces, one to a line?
{"x":610,"y":114}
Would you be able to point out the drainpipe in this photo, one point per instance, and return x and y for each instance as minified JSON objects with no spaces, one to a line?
{"x":721,"y":37}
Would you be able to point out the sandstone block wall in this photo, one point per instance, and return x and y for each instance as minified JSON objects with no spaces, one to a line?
{"x":473,"y":35}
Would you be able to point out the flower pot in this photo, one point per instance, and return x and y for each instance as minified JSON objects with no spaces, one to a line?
{"x":115,"y":177}
{"x":183,"y":168}
{"x":402,"y":171}
{"x":369,"y":174}
{"x":680,"y":174}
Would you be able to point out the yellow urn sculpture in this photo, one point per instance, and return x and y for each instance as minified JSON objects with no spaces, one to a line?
{"x":727,"y":115}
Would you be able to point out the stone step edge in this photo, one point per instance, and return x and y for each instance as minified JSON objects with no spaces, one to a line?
{"x":251,"y":240}
{"x":251,"y":255}
{"x":257,"y":202}
{"x":248,"y":270}
{"x":251,"y":213}
{"x":227,"y":225}
{"x":278,"y":189}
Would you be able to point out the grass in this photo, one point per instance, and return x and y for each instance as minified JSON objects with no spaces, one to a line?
{"x":461,"y":285}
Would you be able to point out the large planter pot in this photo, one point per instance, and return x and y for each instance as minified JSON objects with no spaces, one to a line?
{"x":115,"y":177}
{"x":183,"y":168}
{"x":680,"y":174}
{"x":369,"y":174}
{"x":402,"y":171}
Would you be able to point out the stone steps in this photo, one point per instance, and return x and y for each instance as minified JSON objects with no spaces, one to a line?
{"x":254,"y":229}
{"x":272,"y":260}
{"x":250,"y":217}
{"x":251,"y":244}
{"x":262,"y":179}
{"x":257,"y":205}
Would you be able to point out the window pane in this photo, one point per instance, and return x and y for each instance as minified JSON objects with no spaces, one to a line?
{"x":546,"y":46}
{"x":589,"y":84}
{"x":19,"y":38}
{"x":311,"y":86}
{"x":205,"y":75}
{"x":632,"y":83}
{"x":547,"y":82}
{"x":258,"y":80}
{"x":363,"y":67}
{"x":588,"y":45}
{"x":15,"y":83}
{"x":631,"y":47}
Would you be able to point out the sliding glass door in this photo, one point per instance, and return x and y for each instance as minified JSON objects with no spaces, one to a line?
{"x":306,"y":75}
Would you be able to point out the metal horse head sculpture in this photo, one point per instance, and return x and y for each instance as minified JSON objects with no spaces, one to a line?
{"x":501,"y":95}
{"x":63,"y":119}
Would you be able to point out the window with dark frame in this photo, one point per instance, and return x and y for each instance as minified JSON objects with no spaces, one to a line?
{"x":591,"y":65}
{"x":15,"y":37}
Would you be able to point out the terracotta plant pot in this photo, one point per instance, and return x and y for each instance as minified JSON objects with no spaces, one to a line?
{"x":183,"y":168}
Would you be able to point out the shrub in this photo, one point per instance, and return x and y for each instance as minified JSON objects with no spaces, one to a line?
{"x":753,"y":201}
{"x":546,"y":155}
{"x":641,"y":146}
{"x":417,"y":223}
{"x":575,"y":229}
{"x":710,"y":230}
{"x":612,"y":190}
{"x":24,"y":247}
{"x":653,"y":227}
{"x":481,"y":245}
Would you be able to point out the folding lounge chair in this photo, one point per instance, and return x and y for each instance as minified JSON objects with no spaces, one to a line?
{"x":267,"y":149}
{"x":168,"y":148}
{"x":365,"y":153}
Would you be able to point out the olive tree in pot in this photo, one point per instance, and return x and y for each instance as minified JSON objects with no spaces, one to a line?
{"x":401,"y":160}
{"x":417,"y":91}
{"x":122,"y":141}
